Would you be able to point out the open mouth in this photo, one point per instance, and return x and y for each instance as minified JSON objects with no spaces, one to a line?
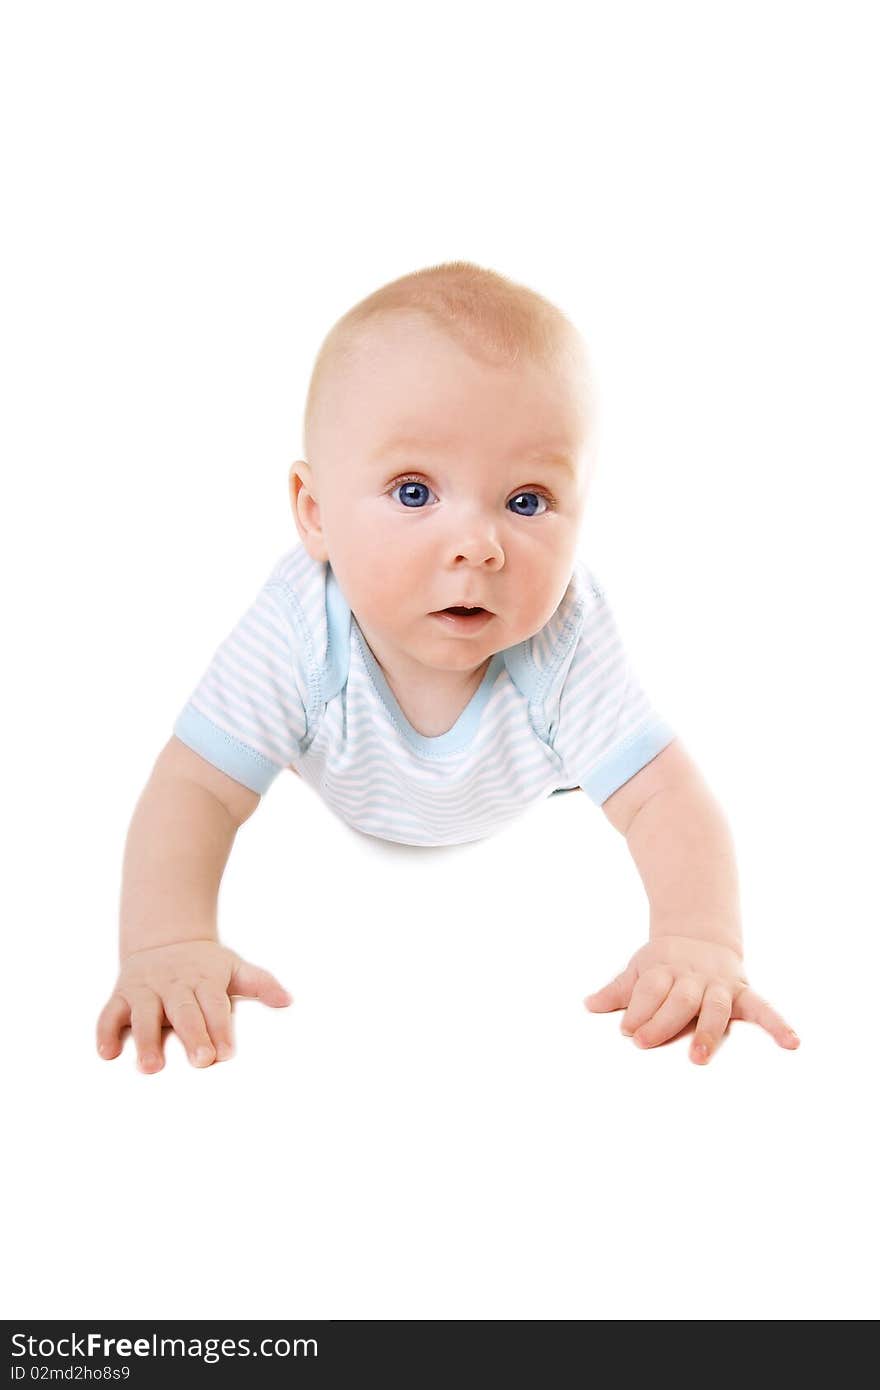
{"x":464,"y":619}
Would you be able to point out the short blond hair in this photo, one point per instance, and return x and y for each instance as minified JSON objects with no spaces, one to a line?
{"x":487,"y":314}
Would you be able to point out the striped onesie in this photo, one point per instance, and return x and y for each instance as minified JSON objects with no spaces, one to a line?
{"x":295,"y":685}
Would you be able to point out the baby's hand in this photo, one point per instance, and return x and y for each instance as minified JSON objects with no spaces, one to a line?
{"x":676,"y":978}
{"x":186,"y":984}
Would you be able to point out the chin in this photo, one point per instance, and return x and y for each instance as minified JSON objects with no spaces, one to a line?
{"x":460,"y":656}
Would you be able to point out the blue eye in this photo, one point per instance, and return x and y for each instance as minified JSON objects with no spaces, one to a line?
{"x":412,"y":495}
{"x":528,"y":498}
{"x":411,"y":492}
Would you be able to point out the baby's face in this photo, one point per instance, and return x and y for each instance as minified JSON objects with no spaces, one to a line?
{"x":438,"y":480}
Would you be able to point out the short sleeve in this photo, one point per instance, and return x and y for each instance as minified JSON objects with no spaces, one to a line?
{"x":248,"y":713}
{"x":608,"y":729}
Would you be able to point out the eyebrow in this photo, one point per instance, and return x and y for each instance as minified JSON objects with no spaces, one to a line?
{"x":403,"y":444}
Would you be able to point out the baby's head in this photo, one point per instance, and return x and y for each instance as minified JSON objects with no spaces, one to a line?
{"x":448,"y":438}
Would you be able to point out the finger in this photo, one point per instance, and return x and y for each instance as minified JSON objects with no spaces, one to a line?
{"x":713,"y":1020}
{"x":146,"y":1029}
{"x":115,"y":1015}
{"x":750,"y":1006}
{"x":677,"y":1009}
{"x":188,"y":1022}
{"x":615,"y":995}
{"x":650,"y":991}
{"x":254,"y":983}
{"x":216,"y":1007}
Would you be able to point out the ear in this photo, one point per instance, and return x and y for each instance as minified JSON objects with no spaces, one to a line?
{"x":306,"y":510}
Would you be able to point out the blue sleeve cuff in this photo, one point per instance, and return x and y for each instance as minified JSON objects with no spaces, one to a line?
{"x":625,"y":762}
{"x":233,"y":757}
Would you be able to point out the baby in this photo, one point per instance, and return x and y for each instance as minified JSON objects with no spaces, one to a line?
{"x":433,"y":658}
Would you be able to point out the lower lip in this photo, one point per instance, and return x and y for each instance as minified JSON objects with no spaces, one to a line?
{"x":458,"y":623}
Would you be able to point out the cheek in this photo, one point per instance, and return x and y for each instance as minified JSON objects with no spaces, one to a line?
{"x":380,"y":586}
{"x":378,"y":577}
{"x":545,"y":570}
{"x":384,"y":550}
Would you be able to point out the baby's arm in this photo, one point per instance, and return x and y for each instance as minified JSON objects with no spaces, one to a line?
{"x":692,"y":966}
{"x":172,"y":966}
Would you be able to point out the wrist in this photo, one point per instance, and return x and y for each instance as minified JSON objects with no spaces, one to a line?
{"x":714,"y":931}
{"x":133,"y":940}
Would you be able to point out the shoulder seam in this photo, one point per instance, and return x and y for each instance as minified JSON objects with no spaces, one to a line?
{"x":570,"y":630}
{"x":291,"y":610}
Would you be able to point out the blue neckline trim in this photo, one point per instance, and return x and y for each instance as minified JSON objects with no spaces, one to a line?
{"x":465,"y":725}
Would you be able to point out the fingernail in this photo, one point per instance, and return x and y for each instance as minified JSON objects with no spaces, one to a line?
{"x":102,"y":1050}
{"x":642,"y":1042}
{"x":701,"y":1052}
{"x":627,"y":1032}
{"x":148,"y":1060}
{"x":224,"y":1052}
{"x":203,"y":1056}
{"x":793,"y":1037}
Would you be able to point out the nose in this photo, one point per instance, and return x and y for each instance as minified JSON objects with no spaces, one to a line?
{"x":476,"y":543}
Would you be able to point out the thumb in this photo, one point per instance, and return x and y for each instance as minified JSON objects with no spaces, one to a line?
{"x":254,"y":983}
{"x":615,"y":995}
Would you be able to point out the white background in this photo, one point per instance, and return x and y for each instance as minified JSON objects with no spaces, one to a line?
{"x":437,"y":1128}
